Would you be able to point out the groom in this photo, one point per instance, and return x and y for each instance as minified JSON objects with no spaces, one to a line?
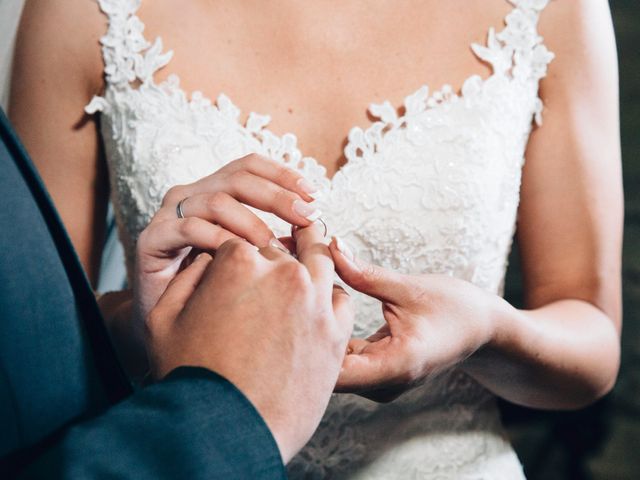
{"x":68,"y":411}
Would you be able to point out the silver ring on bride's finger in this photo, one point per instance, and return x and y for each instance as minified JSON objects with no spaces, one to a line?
{"x":179,"y":211}
{"x":295,"y":228}
{"x":326,"y":229}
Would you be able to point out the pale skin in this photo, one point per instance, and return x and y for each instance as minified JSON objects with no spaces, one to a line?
{"x":562,"y":350}
{"x":288,"y":376}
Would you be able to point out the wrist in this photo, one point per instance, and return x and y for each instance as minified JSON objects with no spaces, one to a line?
{"x":501,"y":320}
{"x":503,"y":315}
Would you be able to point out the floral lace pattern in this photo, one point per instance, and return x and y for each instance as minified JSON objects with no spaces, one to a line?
{"x":434,"y":190}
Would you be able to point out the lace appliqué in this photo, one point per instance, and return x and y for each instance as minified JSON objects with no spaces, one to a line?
{"x":434,"y":190}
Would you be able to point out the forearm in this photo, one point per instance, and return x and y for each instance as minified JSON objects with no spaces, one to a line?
{"x":117,"y":311}
{"x":564,"y":355}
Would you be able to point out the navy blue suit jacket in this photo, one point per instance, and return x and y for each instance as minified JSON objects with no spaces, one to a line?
{"x":66,"y":408}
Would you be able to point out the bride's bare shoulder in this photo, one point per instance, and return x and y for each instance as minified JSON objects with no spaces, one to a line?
{"x":59,"y":40}
{"x":570,"y":19}
{"x":580,"y":33}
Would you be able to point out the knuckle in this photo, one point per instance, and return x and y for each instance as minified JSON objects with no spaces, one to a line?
{"x":285,"y":176}
{"x":261,"y":230}
{"x":282,"y":196}
{"x":239,"y":176}
{"x":241,"y":253}
{"x":217,"y":201}
{"x":294,"y":275}
{"x":188,"y":226}
{"x":174,"y":195}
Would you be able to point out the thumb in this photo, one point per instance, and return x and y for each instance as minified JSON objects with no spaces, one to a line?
{"x":181,"y":287}
{"x":385,"y":285}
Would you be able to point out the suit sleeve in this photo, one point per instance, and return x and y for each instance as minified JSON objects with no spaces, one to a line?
{"x":194,"y":424}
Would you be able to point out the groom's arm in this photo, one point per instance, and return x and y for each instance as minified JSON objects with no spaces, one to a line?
{"x":194,"y":424}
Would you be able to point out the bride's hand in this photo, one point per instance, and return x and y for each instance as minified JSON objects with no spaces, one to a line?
{"x":433,"y":323}
{"x":215,"y":210}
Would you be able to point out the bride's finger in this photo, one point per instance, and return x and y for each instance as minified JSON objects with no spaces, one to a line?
{"x":382,"y":332}
{"x":357,"y":345}
{"x":370,"y":370}
{"x":289,"y":244}
{"x":315,"y":255}
{"x":267,"y":196}
{"x":163,"y":238}
{"x":224,"y":210}
{"x":276,"y":172}
{"x":178,"y":292}
{"x":386,"y":285}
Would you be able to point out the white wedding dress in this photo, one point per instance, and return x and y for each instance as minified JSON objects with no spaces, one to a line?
{"x":435,"y":190}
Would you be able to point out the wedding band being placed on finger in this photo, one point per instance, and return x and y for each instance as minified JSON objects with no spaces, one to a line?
{"x":179,"y":211}
{"x":295,"y":228}
{"x":326,"y":230}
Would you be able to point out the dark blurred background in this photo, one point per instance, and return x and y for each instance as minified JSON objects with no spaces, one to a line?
{"x":601,"y":442}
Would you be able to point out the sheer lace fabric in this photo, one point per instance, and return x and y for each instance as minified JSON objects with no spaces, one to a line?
{"x":434,"y":190}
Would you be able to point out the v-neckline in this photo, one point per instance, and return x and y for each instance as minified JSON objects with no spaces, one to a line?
{"x":385,"y":111}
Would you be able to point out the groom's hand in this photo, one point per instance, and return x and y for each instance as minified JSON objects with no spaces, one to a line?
{"x":272,"y":325}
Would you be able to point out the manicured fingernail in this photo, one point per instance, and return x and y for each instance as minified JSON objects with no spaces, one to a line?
{"x":321,"y":223}
{"x":344,"y":249}
{"x":315,"y":216}
{"x":275,"y":243}
{"x":306,"y":210}
{"x":307,"y":187}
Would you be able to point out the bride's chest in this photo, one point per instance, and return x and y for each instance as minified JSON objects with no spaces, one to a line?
{"x":315,"y":69}
{"x":421,"y":191}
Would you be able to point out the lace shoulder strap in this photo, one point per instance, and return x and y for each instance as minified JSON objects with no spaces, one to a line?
{"x":518,"y":49}
{"x":127,"y":54}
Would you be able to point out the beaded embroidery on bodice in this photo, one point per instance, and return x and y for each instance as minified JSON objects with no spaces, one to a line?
{"x":434,"y":190}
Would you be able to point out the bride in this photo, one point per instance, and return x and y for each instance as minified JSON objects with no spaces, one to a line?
{"x":426,"y":184}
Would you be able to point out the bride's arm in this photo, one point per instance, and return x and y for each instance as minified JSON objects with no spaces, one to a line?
{"x":57,"y":69}
{"x":570,"y":221}
{"x":562,"y":351}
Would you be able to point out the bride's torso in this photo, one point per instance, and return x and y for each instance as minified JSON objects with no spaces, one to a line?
{"x":314,"y":67}
{"x":431,"y":187}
